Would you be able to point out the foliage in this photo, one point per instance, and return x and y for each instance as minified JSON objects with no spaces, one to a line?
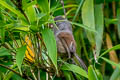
{"x":28,"y":47}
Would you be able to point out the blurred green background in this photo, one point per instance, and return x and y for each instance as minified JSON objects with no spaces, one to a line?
{"x":96,"y":28}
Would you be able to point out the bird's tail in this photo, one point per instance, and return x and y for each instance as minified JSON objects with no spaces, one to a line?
{"x":82,"y":64}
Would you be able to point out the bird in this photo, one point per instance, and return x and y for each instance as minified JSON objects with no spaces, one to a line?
{"x":66,"y":45}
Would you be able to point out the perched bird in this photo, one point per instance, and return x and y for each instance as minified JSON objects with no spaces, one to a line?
{"x":66,"y":45}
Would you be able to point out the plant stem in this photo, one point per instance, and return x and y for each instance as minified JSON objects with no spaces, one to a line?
{"x":33,"y":74}
{"x":11,"y":70}
{"x":62,"y":2}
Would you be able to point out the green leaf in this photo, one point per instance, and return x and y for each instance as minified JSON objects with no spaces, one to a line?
{"x":71,"y":10}
{"x":2,"y":34}
{"x":26,"y":5}
{"x":75,"y":69}
{"x":83,"y":26}
{"x":8,"y":76}
{"x":99,"y":75}
{"x":78,"y":9}
{"x":99,"y":24}
{"x":40,"y":15}
{"x":2,"y":27}
{"x":34,"y":28}
{"x":116,"y":74}
{"x":3,"y":3}
{"x":31,"y":14}
{"x":45,"y":8}
{"x":21,"y":28}
{"x":1,"y":75}
{"x":20,"y":56}
{"x":15,"y":11}
{"x":66,"y":6}
{"x":67,"y":75}
{"x":113,"y":48}
{"x":40,"y":18}
{"x":118,"y":24}
{"x":110,"y":62}
{"x":88,"y":19}
{"x":110,"y":21}
{"x":50,"y":44}
{"x":11,"y":74}
{"x":4,"y":52}
{"x":44,"y":5}
{"x":91,"y":73}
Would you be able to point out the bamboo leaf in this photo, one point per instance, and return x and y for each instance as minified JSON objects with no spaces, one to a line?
{"x":50,"y":43}
{"x":2,"y":27}
{"x":4,"y":52}
{"x":77,"y":11}
{"x":118,"y":24}
{"x":75,"y":69}
{"x":99,"y":24}
{"x":91,"y":73}
{"x":83,"y":26}
{"x":31,"y":14}
{"x":113,"y":48}
{"x":3,"y":3}
{"x":67,"y":75}
{"x":116,"y":74}
{"x":20,"y":56}
{"x":110,"y":62}
{"x":2,"y":34}
{"x":88,"y":19}
{"x":26,"y":5}
{"x":21,"y":28}
{"x":99,"y":75}
{"x":67,"y":6}
{"x":45,"y":8}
